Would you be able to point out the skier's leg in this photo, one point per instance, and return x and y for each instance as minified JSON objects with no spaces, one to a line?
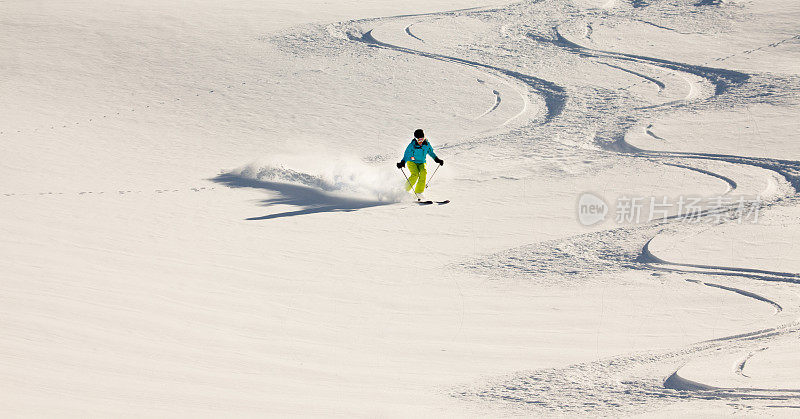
{"x":414,"y":171}
{"x":423,"y":174}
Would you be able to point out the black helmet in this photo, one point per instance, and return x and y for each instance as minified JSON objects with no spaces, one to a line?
{"x":419,"y":134}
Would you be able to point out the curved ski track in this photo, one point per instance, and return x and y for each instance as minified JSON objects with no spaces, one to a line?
{"x":408,"y":31}
{"x":554,"y":95}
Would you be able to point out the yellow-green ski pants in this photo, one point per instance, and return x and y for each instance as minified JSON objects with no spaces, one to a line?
{"x":418,"y":175}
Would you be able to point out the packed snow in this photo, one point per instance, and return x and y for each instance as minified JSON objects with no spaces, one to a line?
{"x":201,"y":213}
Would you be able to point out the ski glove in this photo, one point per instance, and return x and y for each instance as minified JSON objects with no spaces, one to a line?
{"x":438,"y":160}
{"x":401,"y":164}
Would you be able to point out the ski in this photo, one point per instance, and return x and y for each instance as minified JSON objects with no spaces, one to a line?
{"x":433,"y":202}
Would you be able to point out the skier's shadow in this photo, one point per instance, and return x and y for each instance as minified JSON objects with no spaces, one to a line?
{"x":310,"y":200}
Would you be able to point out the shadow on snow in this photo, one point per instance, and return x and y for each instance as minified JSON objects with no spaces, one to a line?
{"x":310,"y":200}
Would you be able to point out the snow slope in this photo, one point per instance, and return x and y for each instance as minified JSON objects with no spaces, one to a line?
{"x":201,"y":214}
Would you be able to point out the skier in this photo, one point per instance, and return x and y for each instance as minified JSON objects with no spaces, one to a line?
{"x":414,"y":159}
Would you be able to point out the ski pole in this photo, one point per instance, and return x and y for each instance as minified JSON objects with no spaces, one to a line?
{"x":408,"y":182}
{"x":431,"y":178}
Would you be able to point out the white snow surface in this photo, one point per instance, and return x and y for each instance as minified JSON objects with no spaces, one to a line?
{"x":200,"y":214}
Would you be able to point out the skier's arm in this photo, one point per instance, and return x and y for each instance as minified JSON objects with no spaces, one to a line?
{"x":430,"y":151}
{"x":432,"y":154}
